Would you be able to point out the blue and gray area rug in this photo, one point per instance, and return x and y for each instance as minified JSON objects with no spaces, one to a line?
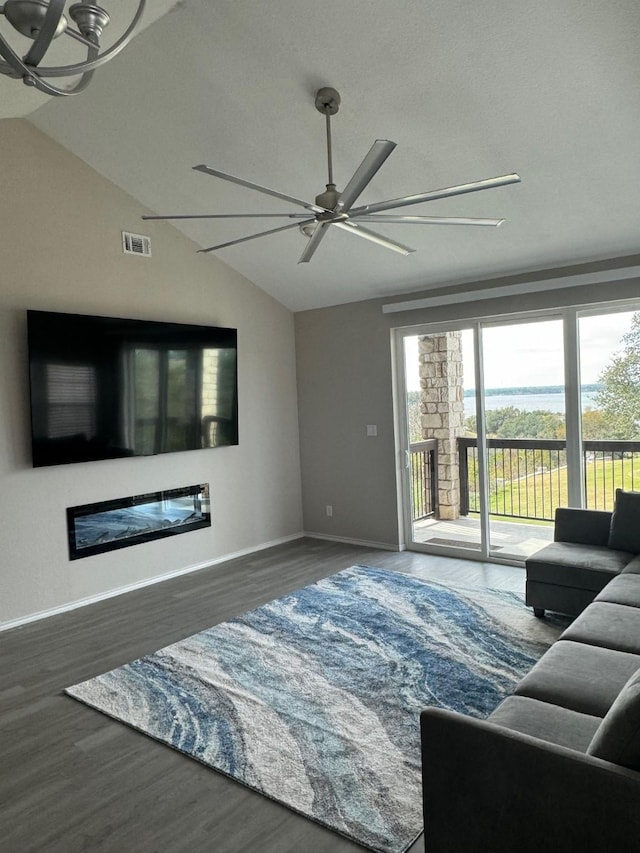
{"x":314,"y":699}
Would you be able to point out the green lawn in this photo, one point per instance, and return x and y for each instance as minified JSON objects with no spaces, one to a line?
{"x":539,"y":496}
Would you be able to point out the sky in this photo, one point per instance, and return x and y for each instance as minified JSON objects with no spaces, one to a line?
{"x":532,"y":353}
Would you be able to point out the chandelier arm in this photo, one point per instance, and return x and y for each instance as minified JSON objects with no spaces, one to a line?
{"x":47,"y":88}
{"x":15,"y":68}
{"x":81,"y":85}
{"x":56,"y":91}
{"x":13,"y":61}
{"x":100,"y":59}
{"x":44,"y":38}
{"x":74,"y":34}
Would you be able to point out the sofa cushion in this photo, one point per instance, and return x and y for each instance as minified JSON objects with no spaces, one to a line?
{"x":583,"y":566}
{"x":579,"y":677}
{"x":547,"y":722}
{"x":623,"y":589}
{"x":632,"y":568}
{"x":618,"y":736}
{"x":614,"y":626}
{"x":624,"y":533}
{"x":585,"y":526}
{"x":562,"y":599}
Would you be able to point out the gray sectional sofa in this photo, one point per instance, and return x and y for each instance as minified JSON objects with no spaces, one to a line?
{"x":590,"y":547}
{"x":557,"y":765}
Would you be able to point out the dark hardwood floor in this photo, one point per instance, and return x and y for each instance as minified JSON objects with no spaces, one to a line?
{"x":73,"y":780}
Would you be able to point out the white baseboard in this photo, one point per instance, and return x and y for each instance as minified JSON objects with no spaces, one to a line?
{"x":122,"y":590}
{"x":384,"y":546}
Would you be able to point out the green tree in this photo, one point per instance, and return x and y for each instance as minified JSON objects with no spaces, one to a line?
{"x":594,"y":425}
{"x":510,"y":422}
{"x":413,"y":416}
{"x":619,"y":397}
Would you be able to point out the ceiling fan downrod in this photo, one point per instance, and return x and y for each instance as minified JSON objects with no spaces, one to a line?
{"x":328,"y":103}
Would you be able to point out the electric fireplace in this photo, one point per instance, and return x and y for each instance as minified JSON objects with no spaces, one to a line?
{"x":99,"y":527}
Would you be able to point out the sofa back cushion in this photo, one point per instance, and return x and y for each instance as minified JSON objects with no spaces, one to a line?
{"x":617,"y":738}
{"x":582,"y":526}
{"x":624,"y":533}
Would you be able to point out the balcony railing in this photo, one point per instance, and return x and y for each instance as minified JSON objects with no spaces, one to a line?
{"x":610,"y":465}
{"x":527,"y":478}
{"x":423,"y":478}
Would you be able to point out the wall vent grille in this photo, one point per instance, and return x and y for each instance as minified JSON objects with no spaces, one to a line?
{"x":136,"y":244}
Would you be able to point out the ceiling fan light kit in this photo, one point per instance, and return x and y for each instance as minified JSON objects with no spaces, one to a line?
{"x":42,"y":21}
{"x":307,"y":228}
{"x":334,"y":208}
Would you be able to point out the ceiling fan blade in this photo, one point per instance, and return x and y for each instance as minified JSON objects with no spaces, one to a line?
{"x":254,"y":236}
{"x":427,"y":220}
{"x":375,"y":157}
{"x":314,"y":242}
{"x":231,"y":216}
{"x":475,"y":186}
{"x":216,"y":174}
{"x":373,"y":237}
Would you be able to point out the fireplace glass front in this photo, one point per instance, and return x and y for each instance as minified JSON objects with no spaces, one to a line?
{"x":99,"y":527}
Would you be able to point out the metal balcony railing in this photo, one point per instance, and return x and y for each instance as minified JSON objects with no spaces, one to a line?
{"x":527,"y":478}
{"x":610,"y":465}
{"x":423,"y":478}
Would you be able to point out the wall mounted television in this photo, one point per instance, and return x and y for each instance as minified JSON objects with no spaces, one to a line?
{"x":107,"y":388}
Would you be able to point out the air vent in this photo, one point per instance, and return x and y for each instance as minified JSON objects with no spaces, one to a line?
{"x":136,"y":244}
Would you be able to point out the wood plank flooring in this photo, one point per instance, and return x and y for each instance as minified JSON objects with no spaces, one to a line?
{"x":72,"y":780}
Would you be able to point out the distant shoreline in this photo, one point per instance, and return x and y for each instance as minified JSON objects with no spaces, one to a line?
{"x":530,"y":389}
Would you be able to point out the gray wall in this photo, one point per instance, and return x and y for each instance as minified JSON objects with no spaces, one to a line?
{"x":61,"y":251}
{"x":345,"y":384}
{"x":344,"y":359}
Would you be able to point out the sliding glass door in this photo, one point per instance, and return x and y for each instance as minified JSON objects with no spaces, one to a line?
{"x":439,"y":371}
{"x":502,"y":422}
{"x":610,"y":405}
{"x":525,"y":429}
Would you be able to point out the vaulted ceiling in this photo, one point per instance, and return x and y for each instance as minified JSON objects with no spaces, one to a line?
{"x":467,"y":90}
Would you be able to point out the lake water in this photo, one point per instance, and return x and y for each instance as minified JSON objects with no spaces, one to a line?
{"x":526,"y":402}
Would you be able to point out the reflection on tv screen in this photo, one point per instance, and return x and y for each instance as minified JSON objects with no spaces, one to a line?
{"x":104,"y":388}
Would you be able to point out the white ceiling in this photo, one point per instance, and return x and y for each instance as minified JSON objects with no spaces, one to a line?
{"x":468,"y":90}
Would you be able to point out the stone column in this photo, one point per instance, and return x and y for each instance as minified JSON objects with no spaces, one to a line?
{"x":442,"y":411}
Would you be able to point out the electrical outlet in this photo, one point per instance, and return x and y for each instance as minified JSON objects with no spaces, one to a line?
{"x":329,"y":511}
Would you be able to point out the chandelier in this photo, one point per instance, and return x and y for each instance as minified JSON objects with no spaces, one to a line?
{"x":42,"y":21}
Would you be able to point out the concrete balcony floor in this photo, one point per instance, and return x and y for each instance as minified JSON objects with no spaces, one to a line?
{"x":510,"y":539}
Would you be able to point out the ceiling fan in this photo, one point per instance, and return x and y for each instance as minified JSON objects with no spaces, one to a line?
{"x":334,"y":208}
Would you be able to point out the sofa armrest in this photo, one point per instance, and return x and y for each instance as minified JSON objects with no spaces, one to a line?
{"x":582,"y":526}
{"x":487,"y":788}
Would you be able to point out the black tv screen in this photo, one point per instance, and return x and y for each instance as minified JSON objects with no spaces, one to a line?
{"x":106,"y":388}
